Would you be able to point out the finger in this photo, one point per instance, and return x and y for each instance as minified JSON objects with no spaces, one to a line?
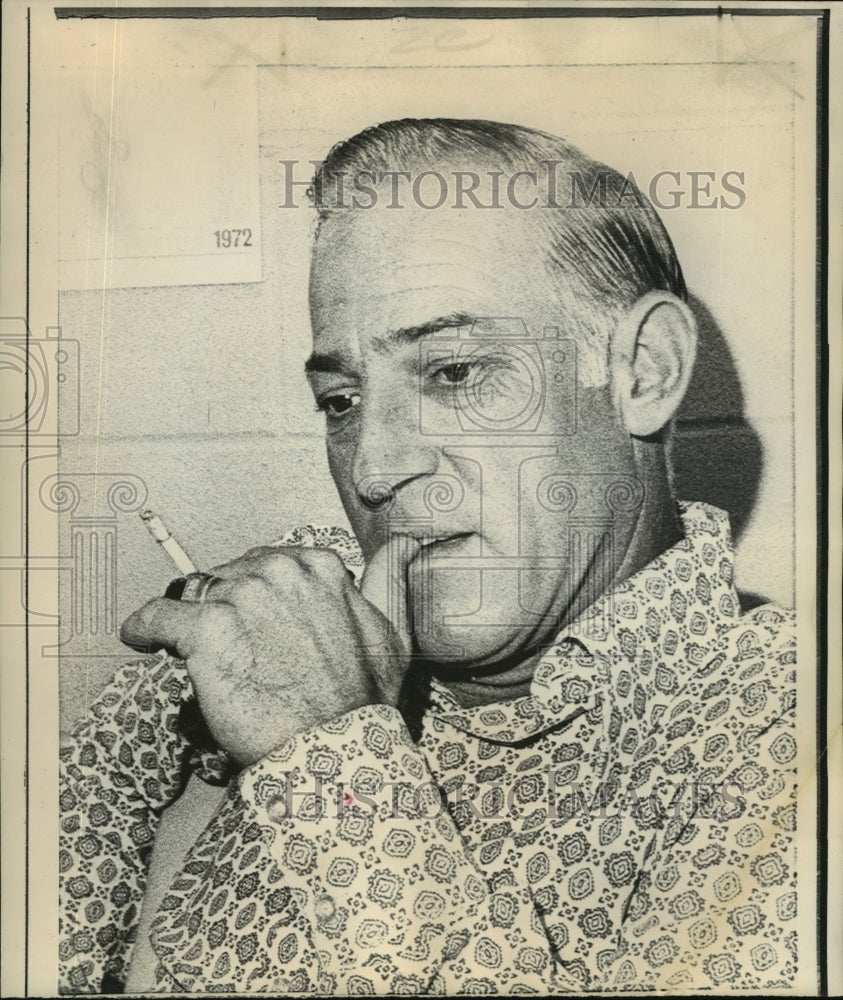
{"x":240,"y":566}
{"x":283,"y":564}
{"x":161,"y":622}
{"x":384,"y":582}
{"x":245,"y":564}
{"x":249,"y":594}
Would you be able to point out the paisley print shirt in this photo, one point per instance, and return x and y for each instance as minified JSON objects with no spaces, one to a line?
{"x":627,"y":825}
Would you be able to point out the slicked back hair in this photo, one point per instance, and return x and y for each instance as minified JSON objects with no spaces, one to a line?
{"x":602,"y":253}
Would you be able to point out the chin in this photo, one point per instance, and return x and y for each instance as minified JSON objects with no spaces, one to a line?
{"x":459,"y":629}
{"x":466,"y":617}
{"x":464,"y":648}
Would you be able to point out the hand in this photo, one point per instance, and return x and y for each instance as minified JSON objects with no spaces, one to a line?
{"x":284,"y":641}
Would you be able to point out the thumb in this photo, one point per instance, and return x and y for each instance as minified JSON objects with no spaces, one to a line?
{"x":384,"y":582}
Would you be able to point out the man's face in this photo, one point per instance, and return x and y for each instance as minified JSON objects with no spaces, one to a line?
{"x":448,"y":399}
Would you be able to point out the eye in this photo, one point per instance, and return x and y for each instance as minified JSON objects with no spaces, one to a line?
{"x":337,"y":405}
{"x":454,"y":374}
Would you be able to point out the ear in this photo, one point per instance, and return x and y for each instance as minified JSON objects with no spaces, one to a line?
{"x":653,"y":354}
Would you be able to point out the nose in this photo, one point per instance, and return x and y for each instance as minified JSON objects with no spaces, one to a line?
{"x":391,"y":451}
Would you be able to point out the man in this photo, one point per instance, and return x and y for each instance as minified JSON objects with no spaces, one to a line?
{"x":540,"y":748}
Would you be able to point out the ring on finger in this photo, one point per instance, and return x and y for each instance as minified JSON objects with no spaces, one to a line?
{"x":192,"y":588}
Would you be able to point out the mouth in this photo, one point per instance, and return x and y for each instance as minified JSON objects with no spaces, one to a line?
{"x":443,"y":542}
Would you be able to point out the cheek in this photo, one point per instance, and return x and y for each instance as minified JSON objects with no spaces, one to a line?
{"x":339,"y":463}
{"x":367,"y":529}
{"x":341,"y":466}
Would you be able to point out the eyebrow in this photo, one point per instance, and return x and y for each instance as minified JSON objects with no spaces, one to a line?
{"x":336,"y":364}
{"x":327,"y":363}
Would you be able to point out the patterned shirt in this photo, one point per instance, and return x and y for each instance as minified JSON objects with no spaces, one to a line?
{"x":629,"y":824}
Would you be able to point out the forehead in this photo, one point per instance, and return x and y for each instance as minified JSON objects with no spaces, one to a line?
{"x":383,"y":267}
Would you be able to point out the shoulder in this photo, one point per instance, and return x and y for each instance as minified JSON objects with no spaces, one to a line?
{"x":766,"y":633}
{"x":755,"y":664}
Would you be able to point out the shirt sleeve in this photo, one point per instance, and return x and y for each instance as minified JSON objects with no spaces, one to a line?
{"x":127,"y":762}
{"x":336,"y":868}
{"x":119,"y":769}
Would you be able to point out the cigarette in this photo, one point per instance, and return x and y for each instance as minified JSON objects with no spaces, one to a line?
{"x":159,"y":531}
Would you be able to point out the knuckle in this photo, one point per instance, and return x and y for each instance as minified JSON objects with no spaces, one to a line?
{"x":281,"y":566}
{"x":250,"y":589}
{"x":262,"y":552}
{"x":241,"y":564}
{"x":245,"y":564}
{"x":274,"y":571}
{"x":324,"y":562}
{"x":289,"y":561}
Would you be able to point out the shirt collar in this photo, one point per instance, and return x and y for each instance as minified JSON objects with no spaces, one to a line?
{"x":659,"y":622}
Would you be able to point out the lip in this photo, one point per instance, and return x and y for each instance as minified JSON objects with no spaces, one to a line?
{"x":443,"y":542}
